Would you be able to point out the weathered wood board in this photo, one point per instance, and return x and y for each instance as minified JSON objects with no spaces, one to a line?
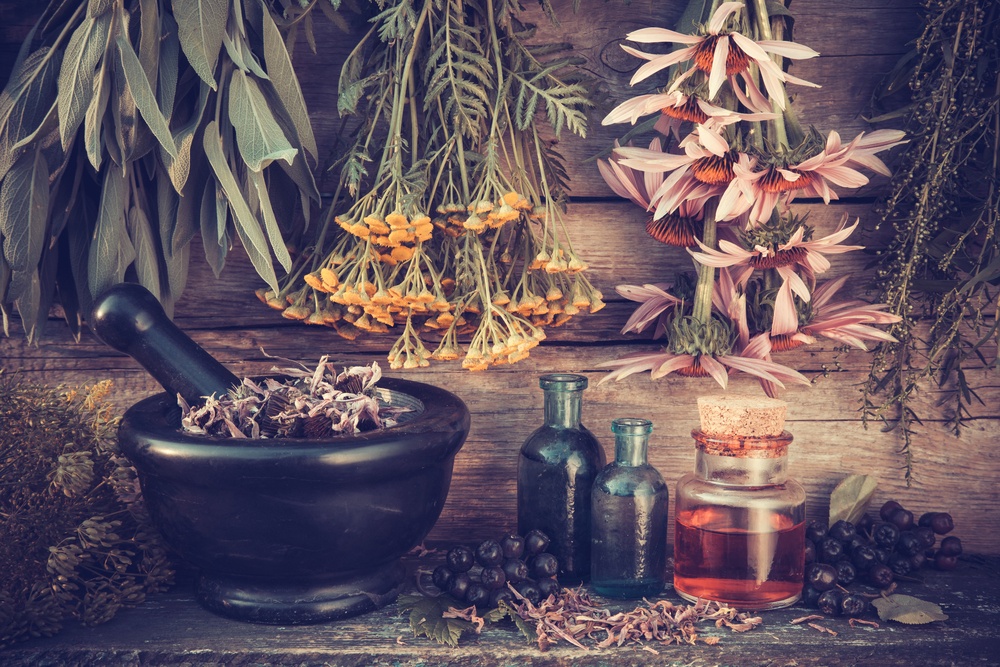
{"x":859,"y":42}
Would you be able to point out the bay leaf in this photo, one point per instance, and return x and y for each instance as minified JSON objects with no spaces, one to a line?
{"x":270,"y":222}
{"x":147,"y":256}
{"x":24,"y":212}
{"x":111,"y":250}
{"x":286,"y":84}
{"x":850,"y":498}
{"x":76,"y":76}
{"x":247,"y":226}
{"x":258,"y":135}
{"x":201,"y":25}
{"x":142,"y":92}
{"x":908,"y":609}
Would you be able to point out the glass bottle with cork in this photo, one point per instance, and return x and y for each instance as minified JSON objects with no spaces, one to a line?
{"x":740,"y":521}
{"x":555,"y":472}
{"x":629,"y":518}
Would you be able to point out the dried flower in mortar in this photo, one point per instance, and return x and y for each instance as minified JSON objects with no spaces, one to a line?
{"x":305,"y":403}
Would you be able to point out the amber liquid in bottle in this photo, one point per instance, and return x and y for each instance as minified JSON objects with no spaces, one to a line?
{"x":716,"y":560}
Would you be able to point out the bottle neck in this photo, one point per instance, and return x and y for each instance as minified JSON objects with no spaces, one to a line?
{"x":562,"y":408}
{"x":742,"y":461}
{"x":631,"y":441}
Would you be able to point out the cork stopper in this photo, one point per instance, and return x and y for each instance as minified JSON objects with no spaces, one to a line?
{"x":741,"y":415}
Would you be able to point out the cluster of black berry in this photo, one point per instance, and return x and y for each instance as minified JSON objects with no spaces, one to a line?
{"x":875,"y":552}
{"x":480,"y":576}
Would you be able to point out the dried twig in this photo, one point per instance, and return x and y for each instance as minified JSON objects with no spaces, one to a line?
{"x":821,"y":628}
{"x":804,"y":619}
{"x":854,"y":622}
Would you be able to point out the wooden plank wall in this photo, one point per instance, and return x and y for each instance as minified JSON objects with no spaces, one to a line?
{"x":859,"y":41}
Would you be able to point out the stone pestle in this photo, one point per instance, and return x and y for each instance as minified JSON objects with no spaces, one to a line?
{"x":129,"y":318}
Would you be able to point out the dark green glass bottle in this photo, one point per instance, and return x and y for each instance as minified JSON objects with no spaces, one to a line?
{"x":555,"y":473}
{"x":629,"y":525}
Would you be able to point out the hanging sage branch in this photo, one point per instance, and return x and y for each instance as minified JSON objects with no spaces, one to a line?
{"x":103,"y":167}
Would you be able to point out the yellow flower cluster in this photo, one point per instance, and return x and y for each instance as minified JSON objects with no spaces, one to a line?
{"x":485,"y":214}
{"x":394,"y":237}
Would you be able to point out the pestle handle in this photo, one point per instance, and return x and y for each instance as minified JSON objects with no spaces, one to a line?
{"x":130,"y":319}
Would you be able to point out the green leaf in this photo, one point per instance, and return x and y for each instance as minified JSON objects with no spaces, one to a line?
{"x":503,"y":611}
{"x":111,"y":250}
{"x":282,"y":75}
{"x":850,"y":498}
{"x":908,"y":609}
{"x":147,"y":256}
{"x":29,"y":305}
{"x":426,"y":618}
{"x":201,"y":25}
{"x":149,"y":41}
{"x":145,"y":101}
{"x":76,"y":76}
{"x":270,"y":222}
{"x":166,"y":85}
{"x":24,"y":212}
{"x":247,"y":226}
{"x":258,"y":134}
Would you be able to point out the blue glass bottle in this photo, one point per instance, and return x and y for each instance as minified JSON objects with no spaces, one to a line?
{"x":629,"y":518}
{"x":555,"y":472}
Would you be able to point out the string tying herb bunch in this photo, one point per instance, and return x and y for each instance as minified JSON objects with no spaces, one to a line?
{"x":723,"y":190}
{"x":448,"y":224}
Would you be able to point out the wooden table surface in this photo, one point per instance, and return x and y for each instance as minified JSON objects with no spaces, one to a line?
{"x":171,"y":629}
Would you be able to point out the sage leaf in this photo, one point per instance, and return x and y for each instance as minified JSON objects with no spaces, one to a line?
{"x":93,"y":119}
{"x":908,"y":609}
{"x":96,"y":8}
{"x":146,"y":253}
{"x":76,"y":76}
{"x":850,"y":498}
{"x":24,"y":211}
{"x":214,"y":215}
{"x":4,"y":281}
{"x":149,"y":41}
{"x":270,"y":222}
{"x":168,"y":70}
{"x":303,"y":177}
{"x":282,"y":75}
{"x":179,"y":166}
{"x":29,"y":305}
{"x":125,"y":114}
{"x":201,"y":25}
{"x":258,"y":134}
{"x":142,"y":92}
{"x":26,"y":102}
{"x":247,"y":226}
{"x":111,"y":250}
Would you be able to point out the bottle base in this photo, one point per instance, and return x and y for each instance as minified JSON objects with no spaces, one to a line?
{"x":628,"y":589}
{"x":742,"y":604}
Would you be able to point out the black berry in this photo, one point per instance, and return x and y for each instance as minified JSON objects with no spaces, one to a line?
{"x":821,"y":576}
{"x":853,"y":605}
{"x":917,"y":560}
{"x":513,"y":546}
{"x":846,"y":573}
{"x":535,"y":542}
{"x":882,"y":555}
{"x":502,"y":595}
{"x":880,"y":576}
{"x":830,"y":550}
{"x":810,"y":552}
{"x":477,"y":594}
{"x":442,"y":577}
{"x":515,"y":570}
{"x":842,"y":530}
{"x":829,"y":602}
{"x":547,"y":587}
{"x":493,"y":577}
{"x":529,"y":591}
{"x":855,"y":542}
{"x":810,"y":596}
{"x":926,"y":536}
{"x":900,"y":565}
{"x":943,"y":562}
{"x":909,"y":544}
{"x":460,"y":559}
{"x":459,"y":585}
{"x":863,"y":558}
{"x":888,"y":508}
{"x":942,"y":523}
{"x":925,"y":519}
{"x":489,"y":553}
{"x":543,"y":565}
{"x":816,"y":531}
{"x":864,"y":524}
{"x":950,"y":546}
{"x":885,"y":535}
{"x":902,"y":519}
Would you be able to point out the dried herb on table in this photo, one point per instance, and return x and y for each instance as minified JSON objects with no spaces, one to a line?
{"x":77,"y":541}
{"x":310,"y":403}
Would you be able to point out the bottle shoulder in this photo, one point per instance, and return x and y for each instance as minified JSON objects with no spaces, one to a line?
{"x":694,"y":487}
{"x":548,"y":444}
{"x":630,"y":480}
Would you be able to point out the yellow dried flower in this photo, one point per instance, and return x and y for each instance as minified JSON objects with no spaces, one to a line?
{"x":553,"y":294}
{"x":402,"y":253}
{"x":474,"y":223}
{"x":315,"y":282}
{"x":296,"y":313}
{"x":329,"y":278}
{"x":397,"y":220}
{"x":376,"y":225}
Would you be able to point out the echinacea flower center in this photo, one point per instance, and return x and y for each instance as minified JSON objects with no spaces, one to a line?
{"x":775,"y":181}
{"x":674,"y":230}
{"x":784,"y":342}
{"x":689,"y":111}
{"x":736,"y":61}
{"x":779,"y":258}
{"x":694,"y":370}
{"x":713,"y":169}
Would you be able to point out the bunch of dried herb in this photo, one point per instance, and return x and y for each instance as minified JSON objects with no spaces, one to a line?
{"x":941,"y":271}
{"x":77,"y":541}
{"x":306,"y":403}
{"x":115,"y":150}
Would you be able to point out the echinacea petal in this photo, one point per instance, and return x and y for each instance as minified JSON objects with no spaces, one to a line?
{"x":715,"y":369}
{"x":721,"y":15}
{"x":655,"y":35}
{"x":657,"y":62}
{"x":718,"y":73}
{"x":632,"y":363}
{"x":670,"y":365}
{"x":792,"y":50}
